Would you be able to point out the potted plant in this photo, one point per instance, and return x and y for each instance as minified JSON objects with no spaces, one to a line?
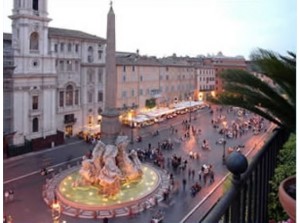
{"x":287,"y":196}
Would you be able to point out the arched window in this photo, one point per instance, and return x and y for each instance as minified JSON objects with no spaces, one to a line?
{"x":35,"y":5}
{"x":35,"y":125}
{"x":34,"y":41}
{"x":69,"y":95}
{"x":90,"y":54}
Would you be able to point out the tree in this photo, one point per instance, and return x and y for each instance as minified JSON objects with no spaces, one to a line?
{"x":275,"y":103}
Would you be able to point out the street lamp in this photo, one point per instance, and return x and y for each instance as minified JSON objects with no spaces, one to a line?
{"x":56,"y":210}
{"x":224,"y":142}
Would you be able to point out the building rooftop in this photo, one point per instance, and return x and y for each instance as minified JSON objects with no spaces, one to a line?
{"x":73,"y":34}
{"x":56,"y":32}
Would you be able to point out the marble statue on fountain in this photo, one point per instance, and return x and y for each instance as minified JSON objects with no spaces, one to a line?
{"x":111,"y":166}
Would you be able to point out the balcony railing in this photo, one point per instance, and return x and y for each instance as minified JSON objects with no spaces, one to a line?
{"x":247,"y":199}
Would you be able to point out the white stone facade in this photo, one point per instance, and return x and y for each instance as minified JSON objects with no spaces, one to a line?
{"x":58,"y":76}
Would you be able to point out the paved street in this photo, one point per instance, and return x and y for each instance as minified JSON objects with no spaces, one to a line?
{"x":22,"y":173}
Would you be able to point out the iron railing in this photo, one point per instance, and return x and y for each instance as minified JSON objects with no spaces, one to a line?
{"x":247,"y":198}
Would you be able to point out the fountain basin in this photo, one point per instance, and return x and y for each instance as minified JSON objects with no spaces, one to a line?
{"x":86,"y":202}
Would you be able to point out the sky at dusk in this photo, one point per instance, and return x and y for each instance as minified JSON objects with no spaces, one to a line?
{"x":185,"y":27}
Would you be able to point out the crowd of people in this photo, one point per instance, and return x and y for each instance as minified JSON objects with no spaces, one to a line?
{"x":230,"y":123}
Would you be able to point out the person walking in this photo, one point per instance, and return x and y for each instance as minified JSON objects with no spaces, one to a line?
{"x":11,"y":194}
{"x":6,"y":196}
{"x":183,"y":183}
{"x":193,"y":174}
{"x":200,"y":175}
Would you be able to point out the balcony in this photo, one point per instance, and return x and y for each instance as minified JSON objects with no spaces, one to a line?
{"x":247,"y":198}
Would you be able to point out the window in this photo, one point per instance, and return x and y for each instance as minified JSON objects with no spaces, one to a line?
{"x":141,"y":78}
{"x":35,"y":125}
{"x":61,"y":99}
{"x":69,"y":47}
{"x":35,"y":102}
{"x":133,"y":68}
{"x":35,"y":63}
{"x":55,"y":48}
{"x":141,"y":91}
{"x":35,"y":5}
{"x":167,"y":77}
{"x":61,"y":65}
{"x":62,"y":46}
{"x":167,"y":68}
{"x":76,"y":97}
{"x":34,"y":41}
{"x":124,"y":78}
{"x":90,"y":57}
{"x":100,"y":96}
{"x":69,"y":95}
{"x":100,"y":52}
{"x":124,"y":68}
{"x":132,"y":92}
{"x":69,"y":65}
{"x":76,"y":48}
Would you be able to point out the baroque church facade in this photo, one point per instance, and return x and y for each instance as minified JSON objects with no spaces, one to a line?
{"x":55,"y":79}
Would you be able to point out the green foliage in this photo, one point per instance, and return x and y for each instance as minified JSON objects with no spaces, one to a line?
{"x":286,"y":167}
{"x":150,"y":103}
{"x":275,"y":103}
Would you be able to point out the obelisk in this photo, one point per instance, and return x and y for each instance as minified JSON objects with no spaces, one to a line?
{"x":111,"y":126}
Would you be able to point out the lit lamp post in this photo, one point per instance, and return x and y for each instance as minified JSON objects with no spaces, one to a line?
{"x":56,"y":210}
{"x":224,"y":141}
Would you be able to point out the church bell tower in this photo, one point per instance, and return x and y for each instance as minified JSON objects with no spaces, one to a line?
{"x":34,"y":77}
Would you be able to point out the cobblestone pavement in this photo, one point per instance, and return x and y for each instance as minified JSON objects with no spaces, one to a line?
{"x":21,"y":173}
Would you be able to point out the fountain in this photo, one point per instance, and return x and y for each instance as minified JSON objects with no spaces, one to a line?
{"x":112,"y":183}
